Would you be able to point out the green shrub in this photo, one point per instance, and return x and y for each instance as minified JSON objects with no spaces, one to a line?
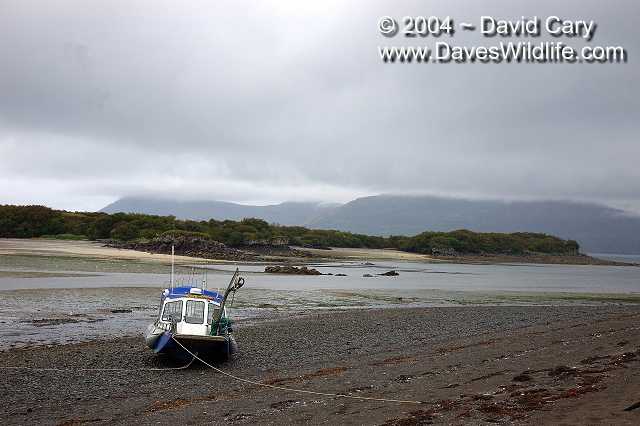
{"x":38,"y":221}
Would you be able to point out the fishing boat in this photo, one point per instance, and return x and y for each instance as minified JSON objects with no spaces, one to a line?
{"x":194,"y":320}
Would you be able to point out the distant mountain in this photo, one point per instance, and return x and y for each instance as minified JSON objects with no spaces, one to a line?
{"x":289,"y":213}
{"x":597,"y":228}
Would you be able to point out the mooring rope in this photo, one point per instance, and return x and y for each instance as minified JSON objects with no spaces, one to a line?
{"x":98,"y":369}
{"x":240,"y":379}
{"x":287,"y":389}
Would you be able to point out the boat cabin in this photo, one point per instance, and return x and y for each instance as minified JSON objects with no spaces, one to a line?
{"x":191,"y":309}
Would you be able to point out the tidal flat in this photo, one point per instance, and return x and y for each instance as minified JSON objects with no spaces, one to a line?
{"x":472,"y":343}
{"x":68,"y":291}
{"x":450,"y":365}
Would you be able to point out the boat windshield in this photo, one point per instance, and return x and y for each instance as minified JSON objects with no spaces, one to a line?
{"x":194,"y":312}
{"x":172,"y":311}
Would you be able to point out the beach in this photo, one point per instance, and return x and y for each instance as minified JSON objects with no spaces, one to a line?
{"x":83,"y":249}
{"x":96,"y":250}
{"x":507,"y":364}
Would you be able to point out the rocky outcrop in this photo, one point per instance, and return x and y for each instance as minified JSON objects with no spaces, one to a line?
{"x":275,"y":251}
{"x":445,"y":251}
{"x":291,"y":270}
{"x":188,"y":245}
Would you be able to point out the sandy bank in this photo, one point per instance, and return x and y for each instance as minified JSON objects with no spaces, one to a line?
{"x":367,"y":254}
{"x":89,"y":249}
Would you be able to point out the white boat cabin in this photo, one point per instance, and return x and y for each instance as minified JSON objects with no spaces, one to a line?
{"x":191,"y":309}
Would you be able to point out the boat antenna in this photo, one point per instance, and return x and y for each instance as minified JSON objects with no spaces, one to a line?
{"x":173,"y":261}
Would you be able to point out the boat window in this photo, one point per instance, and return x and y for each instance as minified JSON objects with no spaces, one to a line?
{"x":194,"y":312}
{"x":213,"y":311}
{"x":172,"y":310}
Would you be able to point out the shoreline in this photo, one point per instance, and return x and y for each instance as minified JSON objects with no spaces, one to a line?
{"x":467,"y":364}
{"x":390,"y":254}
{"x":98,"y":251}
{"x":580,"y":260}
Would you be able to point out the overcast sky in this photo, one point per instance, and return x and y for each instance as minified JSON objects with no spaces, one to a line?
{"x":268,"y":101}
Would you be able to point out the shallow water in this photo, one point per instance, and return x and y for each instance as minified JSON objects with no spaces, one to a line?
{"x":441,"y":276}
{"x":459,"y":277}
{"x":627,"y":258}
{"x":60,"y":309}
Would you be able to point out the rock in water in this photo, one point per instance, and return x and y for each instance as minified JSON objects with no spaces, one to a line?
{"x":291,"y":270}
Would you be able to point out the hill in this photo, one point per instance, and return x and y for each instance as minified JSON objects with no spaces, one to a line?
{"x":597,"y":228}
{"x":289,"y":213}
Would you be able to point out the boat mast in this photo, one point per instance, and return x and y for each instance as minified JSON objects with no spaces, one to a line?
{"x":173,"y":252}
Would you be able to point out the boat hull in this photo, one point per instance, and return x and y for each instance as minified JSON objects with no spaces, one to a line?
{"x":205,"y":347}
{"x":152,"y":335}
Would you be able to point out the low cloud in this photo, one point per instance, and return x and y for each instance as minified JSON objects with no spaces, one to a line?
{"x":273,"y":101}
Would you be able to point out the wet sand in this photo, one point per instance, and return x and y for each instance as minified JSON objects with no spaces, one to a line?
{"x":38,"y":274}
{"x":367,"y":254}
{"x":551,"y":365}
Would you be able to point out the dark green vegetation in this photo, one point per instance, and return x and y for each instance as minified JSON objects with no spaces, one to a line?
{"x":39,"y":221}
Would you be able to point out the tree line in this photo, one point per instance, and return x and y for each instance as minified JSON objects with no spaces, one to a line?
{"x":40,"y":221}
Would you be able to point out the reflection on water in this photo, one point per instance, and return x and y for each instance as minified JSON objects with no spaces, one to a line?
{"x":58,"y":309}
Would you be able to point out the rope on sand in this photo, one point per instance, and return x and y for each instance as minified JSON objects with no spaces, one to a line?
{"x":287,"y":389}
{"x":240,"y":379}
{"x":99,"y":369}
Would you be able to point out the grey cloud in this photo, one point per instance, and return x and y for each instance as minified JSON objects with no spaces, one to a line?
{"x":270,"y":101}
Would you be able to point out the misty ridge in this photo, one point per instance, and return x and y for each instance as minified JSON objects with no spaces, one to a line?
{"x":597,"y":228}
